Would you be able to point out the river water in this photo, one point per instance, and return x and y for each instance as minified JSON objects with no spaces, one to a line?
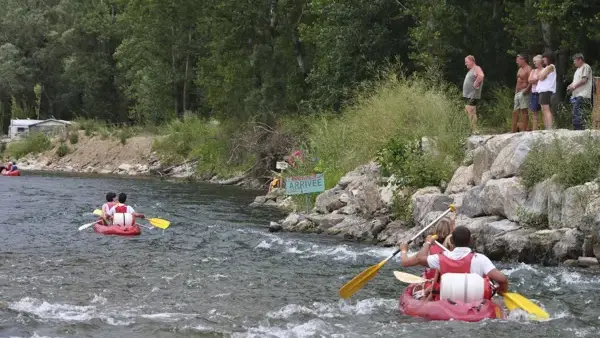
{"x":218,"y":272}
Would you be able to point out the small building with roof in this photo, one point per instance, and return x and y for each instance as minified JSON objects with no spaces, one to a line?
{"x":49,"y":127}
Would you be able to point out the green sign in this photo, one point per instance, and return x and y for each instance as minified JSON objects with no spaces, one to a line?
{"x":297,"y":185}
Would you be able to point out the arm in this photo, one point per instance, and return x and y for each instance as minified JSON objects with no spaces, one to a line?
{"x":584,"y":78}
{"x":546,"y":71}
{"x":135,"y":214}
{"x":499,"y":278}
{"x":420,"y":258}
{"x":527,"y":90}
{"x":479,"y":78}
{"x":532,"y":77}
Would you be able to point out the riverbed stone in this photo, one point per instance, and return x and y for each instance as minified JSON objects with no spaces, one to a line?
{"x":125,"y":167}
{"x":472,"y":203}
{"x":327,"y":221}
{"x":485,"y":155}
{"x":509,"y":160}
{"x":329,"y":201}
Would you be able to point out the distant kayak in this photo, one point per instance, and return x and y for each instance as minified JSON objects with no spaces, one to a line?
{"x":11,"y":173}
{"x":447,"y":309}
{"x":117,"y":230}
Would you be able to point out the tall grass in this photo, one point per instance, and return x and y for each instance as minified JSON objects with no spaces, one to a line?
{"x":559,"y":158}
{"x":32,"y":143}
{"x":399,"y":107}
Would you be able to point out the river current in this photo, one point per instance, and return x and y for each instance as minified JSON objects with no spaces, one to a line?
{"x":218,"y":272}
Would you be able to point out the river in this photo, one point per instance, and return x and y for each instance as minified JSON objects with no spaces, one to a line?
{"x":218,"y":272}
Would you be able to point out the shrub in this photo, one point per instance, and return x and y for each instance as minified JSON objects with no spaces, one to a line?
{"x":74,"y":137}
{"x":124,"y":134}
{"x":62,"y":150}
{"x":495,"y":112}
{"x":399,"y":108}
{"x":571,"y":166}
{"x":31,"y":144}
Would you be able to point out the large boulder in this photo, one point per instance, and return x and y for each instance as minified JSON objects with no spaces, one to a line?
{"x":472,"y":203}
{"x":324,"y":222}
{"x":427,"y":200}
{"x":503,"y":197}
{"x":580,"y":205}
{"x":510,"y":159}
{"x":485,"y":155}
{"x":358,"y":228}
{"x":461,"y":181}
{"x":534,"y":213}
{"x":329,"y":201}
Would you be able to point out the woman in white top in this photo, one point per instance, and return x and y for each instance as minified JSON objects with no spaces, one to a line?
{"x":534,"y":105}
{"x":546,"y":86}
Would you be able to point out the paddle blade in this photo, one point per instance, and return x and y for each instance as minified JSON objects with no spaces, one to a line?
{"x":85,"y":226}
{"x":98,"y":212}
{"x":159,"y":223}
{"x":360,"y":280}
{"x":516,"y":300}
{"x":408,"y":278}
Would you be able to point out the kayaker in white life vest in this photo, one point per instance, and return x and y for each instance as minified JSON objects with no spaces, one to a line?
{"x":122,"y":214}
{"x":464,"y":275}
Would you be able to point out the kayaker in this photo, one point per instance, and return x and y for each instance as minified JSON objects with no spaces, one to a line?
{"x":443,"y":231}
{"x":110,"y":202}
{"x":123,"y":214}
{"x":459,"y":261}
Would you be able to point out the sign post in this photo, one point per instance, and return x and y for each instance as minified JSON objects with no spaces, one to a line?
{"x":297,"y":185}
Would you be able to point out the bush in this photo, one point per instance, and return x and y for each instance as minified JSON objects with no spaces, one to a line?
{"x":124,"y":134}
{"x":398,"y":108}
{"x":74,"y":137}
{"x":33,"y":143}
{"x":495,"y":114}
{"x":571,"y":167}
{"x":90,"y":126}
{"x":62,"y":150}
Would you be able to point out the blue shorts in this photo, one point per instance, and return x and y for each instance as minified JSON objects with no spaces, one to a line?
{"x":534,"y":103}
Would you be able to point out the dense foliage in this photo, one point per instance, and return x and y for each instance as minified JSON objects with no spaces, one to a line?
{"x":149,"y":61}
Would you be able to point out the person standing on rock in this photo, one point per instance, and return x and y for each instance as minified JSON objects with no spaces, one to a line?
{"x":546,"y":86}
{"x":520,"y":118}
{"x":581,"y":89}
{"x":534,"y":105}
{"x":459,"y":261}
{"x":472,"y":90}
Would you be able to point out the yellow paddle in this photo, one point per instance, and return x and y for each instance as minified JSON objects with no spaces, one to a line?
{"x":157,"y":222}
{"x":513,"y":300}
{"x":361,"y":279}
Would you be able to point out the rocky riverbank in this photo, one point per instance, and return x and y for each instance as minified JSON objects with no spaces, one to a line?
{"x":135,"y":157}
{"x":547,"y":224}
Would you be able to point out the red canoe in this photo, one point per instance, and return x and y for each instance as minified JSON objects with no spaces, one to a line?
{"x":117,"y":230}
{"x":11,"y":173}
{"x":447,"y":310}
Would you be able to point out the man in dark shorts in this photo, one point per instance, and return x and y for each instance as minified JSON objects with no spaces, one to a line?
{"x":472,"y":89}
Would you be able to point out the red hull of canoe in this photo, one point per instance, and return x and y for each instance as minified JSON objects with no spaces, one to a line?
{"x":12,"y":173}
{"x":444,"y":310}
{"x":117,"y":230}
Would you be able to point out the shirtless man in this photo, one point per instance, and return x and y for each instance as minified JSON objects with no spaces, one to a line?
{"x":520,"y":116}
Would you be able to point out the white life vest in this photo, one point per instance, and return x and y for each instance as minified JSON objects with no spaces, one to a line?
{"x":125,"y":219}
{"x":462,"y":287}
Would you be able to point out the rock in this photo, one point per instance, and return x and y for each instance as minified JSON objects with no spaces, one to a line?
{"x":587,"y":248}
{"x":476,"y":141}
{"x":485,"y":155}
{"x":358,"y":228}
{"x":291,"y":221}
{"x":461,"y":181}
{"x":587,"y":261}
{"x":328,"y":201}
{"x":476,"y":225}
{"x":344,"y":198}
{"x":273,"y":194}
{"x":596,"y":250}
{"x":510,"y":159}
{"x":392,"y":232}
{"x":287,"y":204}
{"x":555,"y":197}
{"x":366,"y":195}
{"x":534,"y":213}
{"x":458,"y":200}
{"x":503,"y":197}
{"x":350,"y":209}
{"x":509,"y":246}
{"x":325,"y":222}
{"x":274,"y":227}
{"x":306,"y":225}
{"x":580,"y":205}
{"x":370,"y":171}
{"x":387,"y":194}
{"x":569,"y":244}
{"x":426,"y":200}
{"x":571,"y":262}
{"x":125,"y":167}
{"x":554,"y":245}
{"x":260,"y":199}
{"x":472,"y":205}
